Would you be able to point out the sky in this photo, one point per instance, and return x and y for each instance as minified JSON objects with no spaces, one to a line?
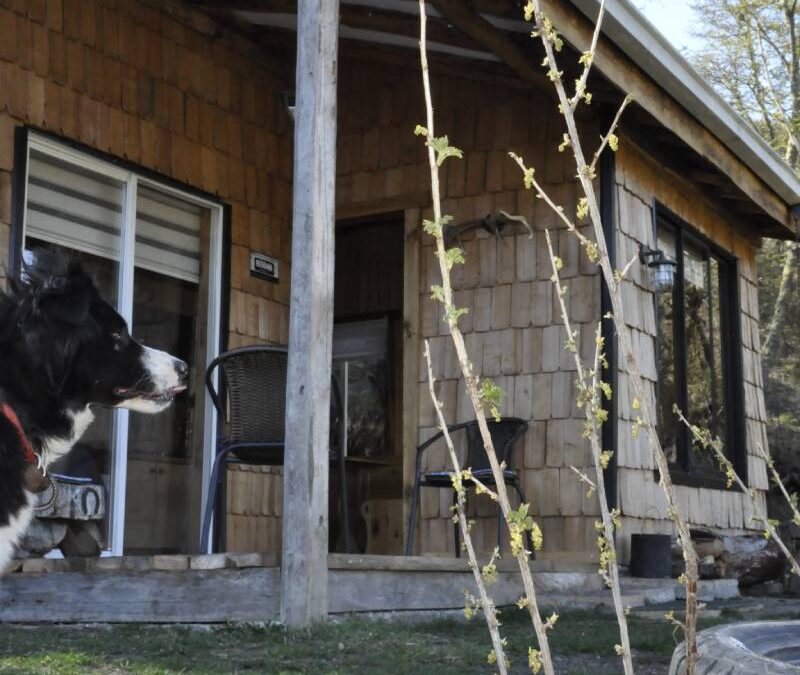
{"x":674,"y":18}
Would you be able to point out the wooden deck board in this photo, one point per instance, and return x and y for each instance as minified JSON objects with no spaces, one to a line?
{"x":135,"y":593}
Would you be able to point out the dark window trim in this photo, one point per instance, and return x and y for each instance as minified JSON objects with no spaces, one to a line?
{"x":610,"y":428}
{"x":730,"y":309}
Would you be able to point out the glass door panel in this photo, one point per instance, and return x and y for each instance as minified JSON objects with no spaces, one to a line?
{"x":154,"y":253}
{"x":170,"y":301}
{"x":80,"y":212}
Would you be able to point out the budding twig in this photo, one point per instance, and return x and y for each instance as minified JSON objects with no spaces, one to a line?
{"x":486,"y":602}
{"x":486,"y":394}
{"x":589,"y":398}
{"x":586,"y":173}
{"x":709,"y":442}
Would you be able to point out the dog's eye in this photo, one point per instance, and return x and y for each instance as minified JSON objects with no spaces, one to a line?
{"x":117,"y":335}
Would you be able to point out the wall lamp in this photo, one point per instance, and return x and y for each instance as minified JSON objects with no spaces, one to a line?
{"x":662,"y":268}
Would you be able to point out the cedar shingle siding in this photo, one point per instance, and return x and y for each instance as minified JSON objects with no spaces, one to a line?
{"x":170,"y":90}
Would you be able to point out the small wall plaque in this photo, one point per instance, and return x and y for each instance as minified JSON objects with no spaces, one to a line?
{"x":263,"y":267}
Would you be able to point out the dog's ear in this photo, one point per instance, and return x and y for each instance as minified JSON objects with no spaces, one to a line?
{"x":68,"y":298}
{"x":71,"y":307}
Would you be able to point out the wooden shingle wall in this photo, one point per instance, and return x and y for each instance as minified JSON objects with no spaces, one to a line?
{"x":161,"y":86}
{"x":166,"y":89}
{"x":640,"y":180}
{"x":513,"y":328}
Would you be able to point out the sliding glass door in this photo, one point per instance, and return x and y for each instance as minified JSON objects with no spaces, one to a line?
{"x":155,"y":253}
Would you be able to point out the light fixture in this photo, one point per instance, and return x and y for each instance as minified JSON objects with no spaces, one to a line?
{"x":662,"y":268}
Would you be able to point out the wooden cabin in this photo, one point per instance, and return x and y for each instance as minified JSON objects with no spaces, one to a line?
{"x":155,"y":141}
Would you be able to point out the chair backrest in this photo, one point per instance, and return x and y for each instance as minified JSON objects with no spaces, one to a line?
{"x":505,"y":434}
{"x":254,"y":381}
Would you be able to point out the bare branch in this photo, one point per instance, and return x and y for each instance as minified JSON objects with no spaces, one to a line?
{"x":550,"y":40}
{"x":587,"y":59}
{"x":487,"y":604}
{"x":589,"y":399}
{"x":541,"y":657}
{"x":610,"y":135}
{"x":776,"y":102}
{"x":708,"y":442}
{"x":776,"y":478}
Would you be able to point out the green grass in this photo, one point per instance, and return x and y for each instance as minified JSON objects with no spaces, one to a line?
{"x":442,"y":647}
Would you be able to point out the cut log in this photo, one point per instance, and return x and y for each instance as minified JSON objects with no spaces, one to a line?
{"x":709,"y":547}
{"x":753,"y":567}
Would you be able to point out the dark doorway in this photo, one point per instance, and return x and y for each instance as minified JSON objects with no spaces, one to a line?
{"x":368,"y":367}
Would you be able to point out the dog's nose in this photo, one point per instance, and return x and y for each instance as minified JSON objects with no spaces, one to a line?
{"x":182,"y":368}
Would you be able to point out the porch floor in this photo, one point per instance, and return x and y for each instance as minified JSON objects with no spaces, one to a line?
{"x":245,"y":587}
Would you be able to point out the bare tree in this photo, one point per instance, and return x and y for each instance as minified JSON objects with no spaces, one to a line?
{"x":753,"y":59}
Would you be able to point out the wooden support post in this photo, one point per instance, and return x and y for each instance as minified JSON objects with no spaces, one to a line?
{"x":304,"y":571}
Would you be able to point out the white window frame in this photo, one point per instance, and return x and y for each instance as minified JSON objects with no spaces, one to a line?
{"x":132,"y":179}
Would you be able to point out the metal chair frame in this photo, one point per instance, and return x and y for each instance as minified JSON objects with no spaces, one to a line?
{"x":504,"y":454}
{"x":273,"y":450}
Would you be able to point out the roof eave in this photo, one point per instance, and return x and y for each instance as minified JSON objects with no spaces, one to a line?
{"x":632,"y":33}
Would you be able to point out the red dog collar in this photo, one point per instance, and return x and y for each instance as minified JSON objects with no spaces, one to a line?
{"x":11,"y":416}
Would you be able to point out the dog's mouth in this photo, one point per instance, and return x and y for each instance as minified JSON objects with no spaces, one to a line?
{"x":163,"y":396}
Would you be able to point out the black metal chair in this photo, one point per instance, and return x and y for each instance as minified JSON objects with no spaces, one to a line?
{"x":505,"y":434}
{"x":252,"y":420}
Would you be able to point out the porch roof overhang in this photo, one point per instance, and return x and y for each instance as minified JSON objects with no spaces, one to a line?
{"x":646,"y":46}
{"x":744,"y":171}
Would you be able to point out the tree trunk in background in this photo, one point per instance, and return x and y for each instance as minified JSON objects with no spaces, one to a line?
{"x":777,"y":322}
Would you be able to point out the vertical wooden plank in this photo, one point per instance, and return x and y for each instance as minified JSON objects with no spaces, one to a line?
{"x":304,"y":571}
{"x":411,"y":352}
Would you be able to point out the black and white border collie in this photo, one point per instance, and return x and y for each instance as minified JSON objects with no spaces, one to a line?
{"x":63,"y":349}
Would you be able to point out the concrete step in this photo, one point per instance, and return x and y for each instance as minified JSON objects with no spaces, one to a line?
{"x":659,"y":591}
{"x":591,"y":600}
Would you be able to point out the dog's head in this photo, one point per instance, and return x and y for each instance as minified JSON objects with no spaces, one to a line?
{"x":82,"y":345}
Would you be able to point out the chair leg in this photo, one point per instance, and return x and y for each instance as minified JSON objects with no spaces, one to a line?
{"x":210,"y":501}
{"x":412,"y":519}
{"x":456,"y":531}
{"x":218,"y":537}
{"x":501,"y":529}
{"x":348,"y":535}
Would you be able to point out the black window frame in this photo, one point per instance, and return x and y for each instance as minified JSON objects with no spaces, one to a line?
{"x":683,"y":472}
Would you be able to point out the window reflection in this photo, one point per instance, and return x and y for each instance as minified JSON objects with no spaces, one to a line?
{"x":668,"y":432}
{"x":700,"y":297}
{"x":694,"y":338}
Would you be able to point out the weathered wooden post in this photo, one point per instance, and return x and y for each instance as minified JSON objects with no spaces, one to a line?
{"x":304,"y":569}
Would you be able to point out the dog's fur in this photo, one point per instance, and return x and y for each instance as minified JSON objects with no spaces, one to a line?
{"x":64,"y":349}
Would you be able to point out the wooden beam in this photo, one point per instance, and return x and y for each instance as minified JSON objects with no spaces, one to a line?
{"x":248,"y":5}
{"x":708,"y":177}
{"x":304,"y":571}
{"x":396,"y":23}
{"x":471,"y":23}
